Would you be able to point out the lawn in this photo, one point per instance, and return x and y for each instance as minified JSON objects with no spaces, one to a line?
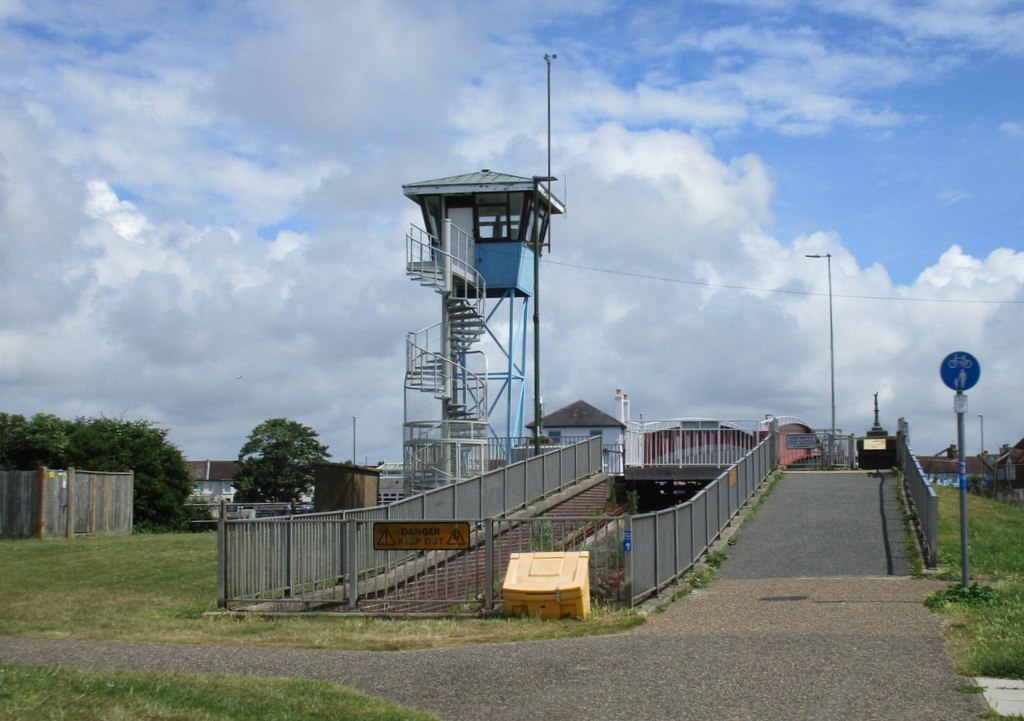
{"x":48,"y":693}
{"x":985,"y":625}
{"x":159,"y":587}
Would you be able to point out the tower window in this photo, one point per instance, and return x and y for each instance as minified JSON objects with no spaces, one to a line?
{"x":499,"y":216}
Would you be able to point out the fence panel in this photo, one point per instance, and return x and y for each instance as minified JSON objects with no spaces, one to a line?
{"x":666,"y":540}
{"x":439,"y":503}
{"x":36,"y":503}
{"x":684,"y":536}
{"x":492,"y":494}
{"x":644,"y":555}
{"x":467,"y":499}
{"x":20,"y":503}
{"x":552,"y":467}
{"x":700,"y":523}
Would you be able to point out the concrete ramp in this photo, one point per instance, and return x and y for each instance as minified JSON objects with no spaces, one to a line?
{"x":823,"y":525}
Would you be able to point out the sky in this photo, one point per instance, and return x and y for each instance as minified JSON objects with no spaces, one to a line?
{"x":202,"y":222}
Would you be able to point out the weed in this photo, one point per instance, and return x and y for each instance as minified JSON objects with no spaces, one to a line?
{"x":716,"y":559}
{"x":969,"y":688}
{"x":973,"y":595}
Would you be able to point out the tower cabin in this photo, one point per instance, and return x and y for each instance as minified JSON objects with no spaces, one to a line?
{"x":506,"y":216}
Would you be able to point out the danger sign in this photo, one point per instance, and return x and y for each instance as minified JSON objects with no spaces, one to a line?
{"x":421,"y":535}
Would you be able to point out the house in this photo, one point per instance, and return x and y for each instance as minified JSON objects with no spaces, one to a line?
{"x":212,"y":480}
{"x":579,"y":421}
{"x":1009,"y":473}
{"x":943,"y":469}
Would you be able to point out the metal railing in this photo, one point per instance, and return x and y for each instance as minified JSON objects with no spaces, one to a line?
{"x":922,"y":494}
{"x":314,"y":559}
{"x":666,"y":544}
{"x":325,"y":556}
{"x":692,"y":441}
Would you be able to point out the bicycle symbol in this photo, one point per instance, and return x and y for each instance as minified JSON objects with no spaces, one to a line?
{"x":959,"y":360}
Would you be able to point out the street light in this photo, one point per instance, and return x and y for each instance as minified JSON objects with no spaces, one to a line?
{"x":981,"y":419}
{"x":831,"y":352}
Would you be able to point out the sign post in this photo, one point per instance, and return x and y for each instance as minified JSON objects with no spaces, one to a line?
{"x":960,"y":371}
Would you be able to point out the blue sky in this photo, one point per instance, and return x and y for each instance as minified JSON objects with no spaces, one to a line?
{"x":202,"y":223}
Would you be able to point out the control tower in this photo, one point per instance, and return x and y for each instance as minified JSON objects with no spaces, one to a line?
{"x":465,"y":375}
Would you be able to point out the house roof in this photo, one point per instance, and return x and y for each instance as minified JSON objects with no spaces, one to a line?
{"x":212,"y":470}
{"x":579,"y":415}
{"x":944,"y":465}
{"x":484,"y":181}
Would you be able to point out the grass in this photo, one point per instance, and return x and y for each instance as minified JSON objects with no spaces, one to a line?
{"x":157,"y":588}
{"x":54,"y":692}
{"x":984,"y":622}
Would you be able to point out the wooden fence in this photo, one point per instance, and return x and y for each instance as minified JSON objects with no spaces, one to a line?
{"x":36,"y":503}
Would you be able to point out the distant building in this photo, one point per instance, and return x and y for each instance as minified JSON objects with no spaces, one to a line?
{"x":943,"y":469}
{"x":579,"y":421}
{"x":1009,"y":473}
{"x":341,"y":486}
{"x":213,"y":480}
{"x":392,"y":482}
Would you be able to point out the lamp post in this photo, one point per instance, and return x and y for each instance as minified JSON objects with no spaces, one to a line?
{"x":832,"y":355}
{"x":538,"y":410}
{"x":981,"y":420}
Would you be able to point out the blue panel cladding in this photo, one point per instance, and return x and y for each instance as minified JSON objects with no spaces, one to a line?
{"x":504,"y":266}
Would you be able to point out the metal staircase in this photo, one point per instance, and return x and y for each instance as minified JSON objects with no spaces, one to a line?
{"x":445,"y":379}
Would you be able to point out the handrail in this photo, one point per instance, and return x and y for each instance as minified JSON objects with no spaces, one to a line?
{"x":922,"y":495}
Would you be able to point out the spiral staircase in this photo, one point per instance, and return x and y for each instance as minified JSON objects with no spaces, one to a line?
{"x":446,"y":428}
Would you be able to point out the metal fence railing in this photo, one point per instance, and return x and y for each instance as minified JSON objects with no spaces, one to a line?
{"x":331,"y":558}
{"x":922,"y":494}
{"x":328,"y":555}
{"x":666,"y":544}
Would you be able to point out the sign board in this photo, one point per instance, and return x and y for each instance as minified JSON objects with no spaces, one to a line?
{"x":421,"y":535}
{"x":797,"y":441}
{"x":960,"y":371}
{"x":874,"y":444}
{"x":627,"y":541}
{"x":960,"y":403}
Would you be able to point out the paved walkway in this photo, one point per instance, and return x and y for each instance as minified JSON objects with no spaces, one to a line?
{"x":783,"y":634}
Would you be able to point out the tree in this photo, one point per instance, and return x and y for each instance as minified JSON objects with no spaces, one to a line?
{"x":43,"y":440}
{"x":276,"y":462}
{"x":163,"y":483}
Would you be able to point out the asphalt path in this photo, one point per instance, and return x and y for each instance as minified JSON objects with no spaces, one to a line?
{"x":781,"y":634}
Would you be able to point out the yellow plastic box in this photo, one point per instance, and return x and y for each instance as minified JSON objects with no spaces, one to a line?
{"x":548,"y":585}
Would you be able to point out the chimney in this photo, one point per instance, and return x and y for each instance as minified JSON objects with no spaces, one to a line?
{"x":622,"y":404}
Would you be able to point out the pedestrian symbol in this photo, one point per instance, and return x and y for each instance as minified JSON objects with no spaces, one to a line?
{"x":960,"y":371}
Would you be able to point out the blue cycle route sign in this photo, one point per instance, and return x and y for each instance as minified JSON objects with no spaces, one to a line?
{"x":960,"y":371}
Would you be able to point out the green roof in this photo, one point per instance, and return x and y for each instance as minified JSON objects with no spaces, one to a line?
{"x":483,"y":181}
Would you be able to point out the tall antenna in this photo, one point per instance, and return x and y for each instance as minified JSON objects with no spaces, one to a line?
{"x":548,"y":59}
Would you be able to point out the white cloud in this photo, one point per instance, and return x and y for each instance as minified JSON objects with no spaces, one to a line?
{"x":203,"y":226}
{"x":1013,"y":128}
